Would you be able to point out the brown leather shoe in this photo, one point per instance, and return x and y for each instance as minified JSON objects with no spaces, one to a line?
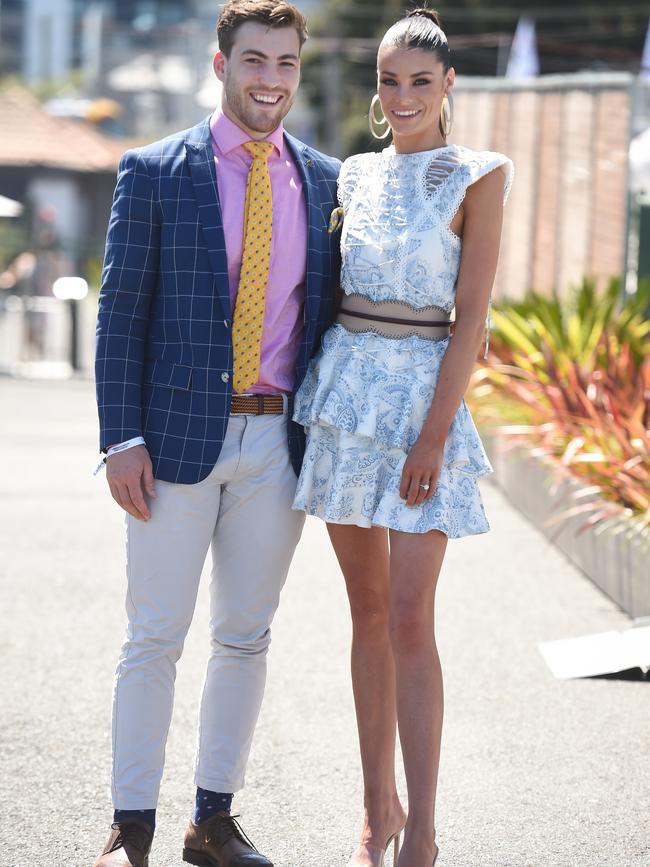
{"x":221,"y":842}
{"x":128,"y":846}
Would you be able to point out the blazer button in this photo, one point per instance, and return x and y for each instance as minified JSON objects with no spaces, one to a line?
{"x":225,"y":376}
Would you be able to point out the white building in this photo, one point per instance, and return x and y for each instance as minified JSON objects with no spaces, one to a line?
{"x":47,"y":40}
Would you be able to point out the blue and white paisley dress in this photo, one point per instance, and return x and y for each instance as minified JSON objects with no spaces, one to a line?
{"x":365,"y":397}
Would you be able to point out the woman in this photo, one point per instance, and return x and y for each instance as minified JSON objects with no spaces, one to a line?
{"x":393,"y":456}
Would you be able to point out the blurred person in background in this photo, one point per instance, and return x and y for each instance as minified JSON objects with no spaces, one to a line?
{"x":51,"y":262}
{"x":18,"y":280}
{"x":393,"y":455}
{"x":31,"y":275}
{"x":218,"y":282}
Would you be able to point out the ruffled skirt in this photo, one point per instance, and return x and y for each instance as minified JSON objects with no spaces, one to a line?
{"x":363,"y":403}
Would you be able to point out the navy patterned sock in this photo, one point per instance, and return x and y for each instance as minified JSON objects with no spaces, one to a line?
{"x":208,"y":803}
{"x":148,"y":816}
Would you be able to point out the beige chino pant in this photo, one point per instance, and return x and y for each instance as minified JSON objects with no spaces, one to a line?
{"x":243,"y":511}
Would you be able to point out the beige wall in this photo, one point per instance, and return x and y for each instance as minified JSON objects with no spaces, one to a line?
{"x":568,"y":137}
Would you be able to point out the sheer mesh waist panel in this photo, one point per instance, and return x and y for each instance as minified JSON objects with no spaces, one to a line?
{"x":393,"y":318}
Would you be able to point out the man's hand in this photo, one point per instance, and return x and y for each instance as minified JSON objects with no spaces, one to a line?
{"x":130,"y":477}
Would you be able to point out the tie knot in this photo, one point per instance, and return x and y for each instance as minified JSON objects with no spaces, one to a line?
{"x":260,"y":150}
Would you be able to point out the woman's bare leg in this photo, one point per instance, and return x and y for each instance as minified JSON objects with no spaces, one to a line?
{"x":364,"y":560}
{"x":415,"y":562}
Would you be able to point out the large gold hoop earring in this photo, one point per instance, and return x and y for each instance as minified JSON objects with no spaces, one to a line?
{"x":374,"y":121}
{"x":447,"y":115}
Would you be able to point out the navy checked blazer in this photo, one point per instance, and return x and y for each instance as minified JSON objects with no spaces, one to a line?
{"x":164,"y":349}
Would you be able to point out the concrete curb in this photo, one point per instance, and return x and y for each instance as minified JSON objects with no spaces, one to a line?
{"x":616,"y":564}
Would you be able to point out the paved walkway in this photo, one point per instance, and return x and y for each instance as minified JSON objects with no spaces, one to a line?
{"x":535,"y":772}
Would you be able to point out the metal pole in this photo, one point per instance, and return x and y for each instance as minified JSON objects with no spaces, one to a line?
{"x":73,"y":307}
{"x":503,"y":55}
{"x":629,"y":265}
{"x":333,"y":80}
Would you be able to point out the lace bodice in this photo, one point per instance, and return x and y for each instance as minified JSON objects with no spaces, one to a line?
{"x":396,"y":240}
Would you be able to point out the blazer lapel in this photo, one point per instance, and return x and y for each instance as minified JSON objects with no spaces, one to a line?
{"x":314,"y":227}
{"x":200,"y":158}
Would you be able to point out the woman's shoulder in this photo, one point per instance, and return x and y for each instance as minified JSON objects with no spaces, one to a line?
{"x":478,"y":163}
{"x":353,"y":169}
{"x":358,"y":162}
{"x":479,"y":158}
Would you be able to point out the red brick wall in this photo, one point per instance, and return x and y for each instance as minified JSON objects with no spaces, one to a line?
{"x":568,"y":139}
{"x":547,"y":197}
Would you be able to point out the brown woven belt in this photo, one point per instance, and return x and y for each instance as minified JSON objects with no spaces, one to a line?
{"x":257,"y":404}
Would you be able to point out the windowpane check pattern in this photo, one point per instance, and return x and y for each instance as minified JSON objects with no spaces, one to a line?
{"x":164,"y":331}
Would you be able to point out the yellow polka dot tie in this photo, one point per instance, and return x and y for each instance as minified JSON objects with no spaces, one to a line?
{"x":248,"y":321}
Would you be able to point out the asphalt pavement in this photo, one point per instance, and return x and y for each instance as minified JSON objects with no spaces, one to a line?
{"x":535,"y":772}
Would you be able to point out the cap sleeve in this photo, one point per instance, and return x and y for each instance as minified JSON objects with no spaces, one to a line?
{"x":464,"y":168}
{"x":486,"y":162}
{"x":348,"y":179}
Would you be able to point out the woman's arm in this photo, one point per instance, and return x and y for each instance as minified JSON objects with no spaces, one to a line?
{"x":483,"y":218}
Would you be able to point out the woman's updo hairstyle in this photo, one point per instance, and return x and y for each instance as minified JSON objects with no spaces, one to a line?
{"x":420,"y":28}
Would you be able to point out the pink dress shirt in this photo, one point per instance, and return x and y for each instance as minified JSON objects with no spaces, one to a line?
{"x":283,"y":317}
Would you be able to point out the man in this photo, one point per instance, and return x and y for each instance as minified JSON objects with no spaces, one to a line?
{"x":217,"y":285}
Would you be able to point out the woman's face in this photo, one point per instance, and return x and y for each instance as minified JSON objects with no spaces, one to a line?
{"x":411,"y":84}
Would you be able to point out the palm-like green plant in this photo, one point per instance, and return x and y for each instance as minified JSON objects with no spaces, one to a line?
{"x":571,"y":379}
{"x":573,"y":327}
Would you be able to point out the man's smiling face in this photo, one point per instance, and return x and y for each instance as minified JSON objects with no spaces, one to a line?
{"x":260,"y":77}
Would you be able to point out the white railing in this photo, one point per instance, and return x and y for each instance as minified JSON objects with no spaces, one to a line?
{"x":35,"y":336}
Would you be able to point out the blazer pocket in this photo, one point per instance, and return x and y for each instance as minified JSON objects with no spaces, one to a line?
{"x":168,"y":374}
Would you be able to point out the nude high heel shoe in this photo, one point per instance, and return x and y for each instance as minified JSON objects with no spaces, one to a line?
{"x":435,"y":857}
{"x":395,"y":840}
{"x":378,"y":855}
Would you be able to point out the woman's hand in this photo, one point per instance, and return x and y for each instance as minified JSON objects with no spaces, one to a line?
{"x":422,"y":467}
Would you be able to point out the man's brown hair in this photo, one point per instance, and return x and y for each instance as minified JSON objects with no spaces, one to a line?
{"x":269,"y":12}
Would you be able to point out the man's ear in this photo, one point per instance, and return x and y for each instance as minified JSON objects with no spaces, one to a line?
{"x":219,"y":65}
